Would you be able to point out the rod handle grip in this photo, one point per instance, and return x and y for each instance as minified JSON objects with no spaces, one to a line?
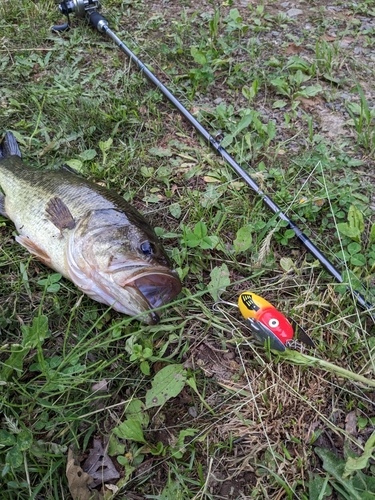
{"x":97,"y":20}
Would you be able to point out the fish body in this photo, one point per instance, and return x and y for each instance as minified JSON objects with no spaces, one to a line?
{"x":88,"y":233}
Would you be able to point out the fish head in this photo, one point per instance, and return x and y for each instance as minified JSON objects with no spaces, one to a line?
{"x":116,"y":258}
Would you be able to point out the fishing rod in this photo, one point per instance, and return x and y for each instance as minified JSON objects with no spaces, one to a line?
{"x":89,"y":9}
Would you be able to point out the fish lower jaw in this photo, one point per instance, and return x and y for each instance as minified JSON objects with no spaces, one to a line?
{"x":102,"y":288}
{"x":134,"y":294}
{"x":125,"y":302}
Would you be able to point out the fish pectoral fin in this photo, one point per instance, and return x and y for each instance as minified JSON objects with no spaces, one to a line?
{"x":59,"y":214}
{"x":34,"y":249}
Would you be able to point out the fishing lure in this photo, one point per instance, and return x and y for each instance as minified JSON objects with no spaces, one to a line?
{"x":267,"y":323}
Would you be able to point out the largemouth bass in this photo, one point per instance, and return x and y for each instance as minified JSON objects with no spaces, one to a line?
{"x":89,"y":234}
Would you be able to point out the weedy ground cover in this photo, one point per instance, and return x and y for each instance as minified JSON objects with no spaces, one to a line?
{"x":191,"y":407}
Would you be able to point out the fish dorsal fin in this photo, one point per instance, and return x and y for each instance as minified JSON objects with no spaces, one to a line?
{"x":9,"y":146}
{"x":67,"y":168}
{"x":2,"y":205}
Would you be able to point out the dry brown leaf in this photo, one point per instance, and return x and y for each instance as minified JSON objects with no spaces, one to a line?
{"x":99,"y":465}
{"x":102,"y":385}
{"x":79,"y":481}
{"x":208,"y":178}
{"x":293,"y":49}
{"x":351,"y":424}
{"x":347,"y":40}
{"x":328,"y":38}
{"x":309,"y":103}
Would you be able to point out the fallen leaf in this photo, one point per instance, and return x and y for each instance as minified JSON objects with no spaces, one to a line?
{"x":328,"y":38}
{"x":309,"y":103}
{"x":319,"y":202}
{"x":113,"y":488}
{"x":102,"y":385}
{"x":99,"y":465}
{"x":208,"y":178}
{"x":351,"y":423}
{"x":346,"y":41}
{"x":79,"y":481}
{"x":293,"y":49}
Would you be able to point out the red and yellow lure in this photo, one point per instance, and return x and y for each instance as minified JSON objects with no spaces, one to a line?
{"x":266,"y":322}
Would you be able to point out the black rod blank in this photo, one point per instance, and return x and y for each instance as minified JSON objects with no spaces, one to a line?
{"x":101,"y":24}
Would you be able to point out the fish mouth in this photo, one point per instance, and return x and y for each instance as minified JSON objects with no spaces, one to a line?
{"x":157,"y":287}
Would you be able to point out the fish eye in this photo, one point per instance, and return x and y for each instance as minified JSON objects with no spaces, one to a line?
{"x":273,"y":323}
{"x":147,"y":248}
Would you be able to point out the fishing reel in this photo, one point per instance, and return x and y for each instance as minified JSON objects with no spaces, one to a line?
{"x":81,"y":8}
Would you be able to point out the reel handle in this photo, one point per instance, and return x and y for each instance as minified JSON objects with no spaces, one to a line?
{"x":59,"y":28}
{"x":64,"y":9}
{"x":81,"y":8}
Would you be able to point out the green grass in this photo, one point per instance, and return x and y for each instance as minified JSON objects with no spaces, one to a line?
{"x":230,"y":419}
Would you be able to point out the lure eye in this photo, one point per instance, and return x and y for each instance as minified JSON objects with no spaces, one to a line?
{"x":147,"y":248}
{"x":273,"y":323}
